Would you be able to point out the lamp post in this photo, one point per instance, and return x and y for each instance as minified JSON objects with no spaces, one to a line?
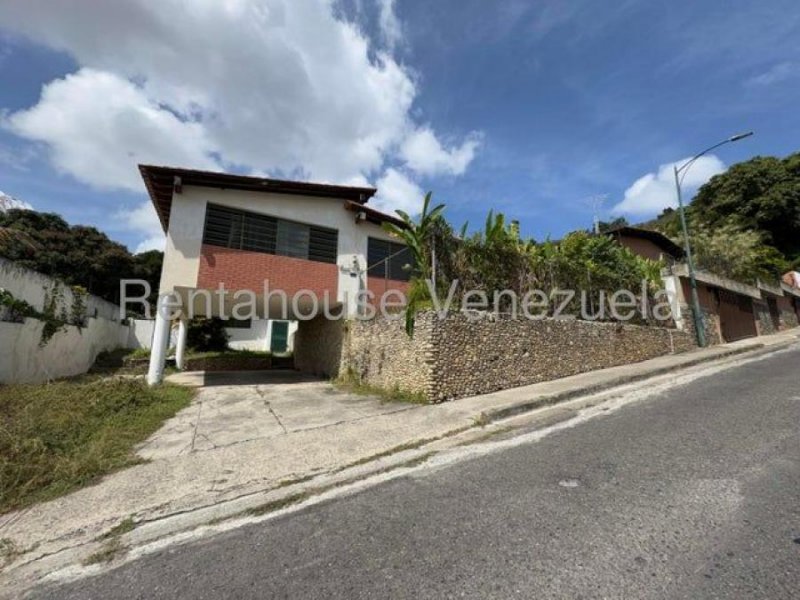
{"x":680,"y":174}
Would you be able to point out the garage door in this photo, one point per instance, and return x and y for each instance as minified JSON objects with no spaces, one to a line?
{"x":737,"y":320}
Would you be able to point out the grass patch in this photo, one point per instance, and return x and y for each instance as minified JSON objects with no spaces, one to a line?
{"x":113,"y":545}
{"x":415,"y":462}
{"x":349,"y":382}
{"x":482,"y":420}
{"x":55,"y":438}
{"x":121,"y":528}
{"x":9,"y":551}
{"x":269,"y":507}
{"x":107,"y":552}
{"x":139,"y":353}
{"x":294,"y":481}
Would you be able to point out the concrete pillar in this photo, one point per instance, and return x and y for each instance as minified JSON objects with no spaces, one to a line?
{"x":158,"y":349}
{"x":180,"y":345}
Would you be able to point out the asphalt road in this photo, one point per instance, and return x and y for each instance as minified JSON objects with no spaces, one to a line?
{"x":694,"y":493}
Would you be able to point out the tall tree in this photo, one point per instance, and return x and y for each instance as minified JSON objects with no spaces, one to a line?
{"x":78,"y":255}
{"x":762,"y":194}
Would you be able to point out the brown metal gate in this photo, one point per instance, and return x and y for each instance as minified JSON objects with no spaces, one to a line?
{"x":736,"y":316}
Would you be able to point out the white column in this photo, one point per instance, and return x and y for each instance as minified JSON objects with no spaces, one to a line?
{"x":674,"y":289}
{"x":180,"y":344}
{"x":158,"y":349}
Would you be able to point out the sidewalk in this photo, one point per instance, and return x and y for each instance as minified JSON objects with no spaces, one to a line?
{"x":185,"y":483}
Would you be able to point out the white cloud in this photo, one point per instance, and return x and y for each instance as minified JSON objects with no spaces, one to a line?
{"x":143,"y":220}
{"x":152,"y":243}
{"x":424,"y":153}
{"x":654,"y":192}
{"x":283,"y":87}
{"x":397,"y":190}
{"x":775,"y":74}
{"x":391,"y":28}
{"x":97,"y":126}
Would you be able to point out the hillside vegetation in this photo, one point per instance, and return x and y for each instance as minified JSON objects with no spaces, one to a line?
{"x":745,"y":223}
{"x":77,"y":254}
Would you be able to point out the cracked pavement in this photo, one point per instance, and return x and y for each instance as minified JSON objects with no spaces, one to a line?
{"x":284,"y":402}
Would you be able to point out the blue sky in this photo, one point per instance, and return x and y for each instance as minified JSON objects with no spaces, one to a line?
{"x":530,"y":108}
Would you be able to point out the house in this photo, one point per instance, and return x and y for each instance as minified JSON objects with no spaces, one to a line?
{"x":647,"y":243}
{"x":296,"y":247}
{"x":728,"y":306}
{"x":731,"y":310}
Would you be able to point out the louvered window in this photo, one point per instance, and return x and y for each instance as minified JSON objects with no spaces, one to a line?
{"x":243,"y":230}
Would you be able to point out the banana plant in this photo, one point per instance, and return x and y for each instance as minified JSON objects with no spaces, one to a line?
{"x":417,"y":236}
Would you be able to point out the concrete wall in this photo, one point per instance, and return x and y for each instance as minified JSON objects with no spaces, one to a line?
{"x":32,"y":287}
{"x":456,"y":357}
{"x":72,"y":350}
{"x":69,"y":352}
{"x":140,"y":334}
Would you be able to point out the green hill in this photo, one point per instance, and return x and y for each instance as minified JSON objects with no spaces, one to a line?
{"x":751,"y":211}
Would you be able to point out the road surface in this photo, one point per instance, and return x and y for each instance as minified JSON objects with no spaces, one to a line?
{"x":692,"y":493}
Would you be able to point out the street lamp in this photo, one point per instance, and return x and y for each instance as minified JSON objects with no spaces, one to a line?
{"x":680,"y":174}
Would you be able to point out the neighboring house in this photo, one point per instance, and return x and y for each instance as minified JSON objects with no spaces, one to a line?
{"x":731,"y":310}
{"x":239,"y":231}
{"x":728,"y":306}
{"x":647,"y":243}
{"x":792,"y":279}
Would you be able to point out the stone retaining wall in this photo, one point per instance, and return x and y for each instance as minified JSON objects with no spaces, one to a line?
{"x":788,"y":313}
{"x":380,"y":353}
{"x":764,"y":324}
{"x":464,"y":355}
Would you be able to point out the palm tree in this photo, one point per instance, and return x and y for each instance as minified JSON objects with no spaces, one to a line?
{"x":418,"y":237}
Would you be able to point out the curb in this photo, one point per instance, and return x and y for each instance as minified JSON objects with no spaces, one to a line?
{"x":497,"y":414}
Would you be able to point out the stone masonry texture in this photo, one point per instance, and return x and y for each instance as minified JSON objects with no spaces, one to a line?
{"x":465,"y":355}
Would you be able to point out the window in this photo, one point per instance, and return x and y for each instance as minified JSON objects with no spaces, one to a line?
{"x":242,"y":230}
{"x":232,"y":323}
{"x":389,"y":260}
{"x":292,"y":239}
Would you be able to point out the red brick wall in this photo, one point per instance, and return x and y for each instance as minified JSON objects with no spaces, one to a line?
{"x":242,"y":269}
{"x":379,"y":285}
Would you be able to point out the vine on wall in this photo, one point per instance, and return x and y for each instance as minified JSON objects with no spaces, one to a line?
{"x":54,"y":314}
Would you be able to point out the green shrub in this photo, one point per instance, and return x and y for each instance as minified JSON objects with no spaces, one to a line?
{"x":207,"y":335}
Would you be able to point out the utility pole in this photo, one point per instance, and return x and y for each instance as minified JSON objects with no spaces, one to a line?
{"x":699,"y":326}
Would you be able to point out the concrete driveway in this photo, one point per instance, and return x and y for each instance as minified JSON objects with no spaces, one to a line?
{"x":235,"y":407}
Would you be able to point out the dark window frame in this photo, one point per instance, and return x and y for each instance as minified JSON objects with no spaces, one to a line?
{"x":378,"y":250}
{"x":239,"y":229}
{"x":232,"y":323}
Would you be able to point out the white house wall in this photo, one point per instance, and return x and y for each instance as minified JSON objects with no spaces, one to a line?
{"x":187,"y":218}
